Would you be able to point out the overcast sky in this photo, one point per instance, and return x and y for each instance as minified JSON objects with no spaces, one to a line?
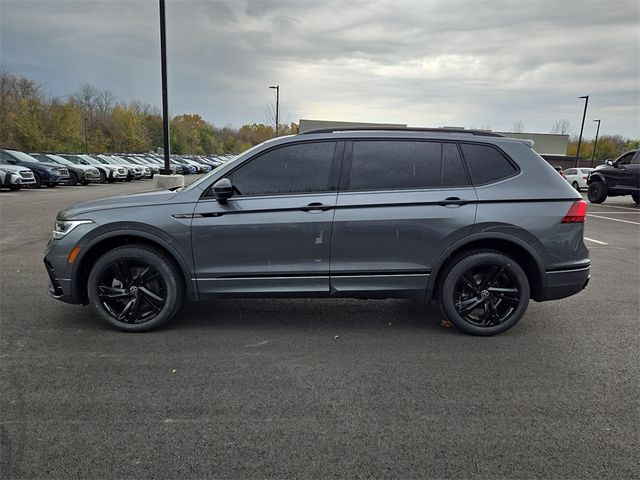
{"x":483,"y":63}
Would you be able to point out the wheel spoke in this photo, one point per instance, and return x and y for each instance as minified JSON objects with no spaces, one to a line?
{"x":148,"y":275}
{"x":494,"y":316}
{"x":154,"y":300}
{"x":469,"y":305}
{"x":111,"y":292}
{"x":122,"y":272}
{"x":125,"y":311}
{"x":469,"y":282}
{"x":490,"y":277}
{"x":514,"y":300}
{"x":135,"y":310}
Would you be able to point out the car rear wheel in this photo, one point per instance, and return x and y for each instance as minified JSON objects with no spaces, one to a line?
{"x":135,"y":288}
{"x":484,"y":292}
{"x":597,"y":192}
{"x":38,"y":180}
{"x":636,"y":198}
{"x":575,"y":185}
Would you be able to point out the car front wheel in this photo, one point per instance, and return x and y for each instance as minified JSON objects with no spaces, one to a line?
{"x":597,"y":192}
{"x":484,"y":292}
{"x":636,"y":198}
{"x":135,"y":288}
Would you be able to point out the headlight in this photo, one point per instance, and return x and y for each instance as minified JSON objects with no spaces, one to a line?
{"x":62,"y":227}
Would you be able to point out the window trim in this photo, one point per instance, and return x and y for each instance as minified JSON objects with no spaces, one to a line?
{"x":334,"y":173}
{"x":500,"y":151}
{"x":348,"y":162}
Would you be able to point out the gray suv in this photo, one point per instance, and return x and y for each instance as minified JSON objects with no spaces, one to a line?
{"x":474,"y":221}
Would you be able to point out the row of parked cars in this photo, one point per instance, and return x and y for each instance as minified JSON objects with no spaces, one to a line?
{"x":20,"y":169}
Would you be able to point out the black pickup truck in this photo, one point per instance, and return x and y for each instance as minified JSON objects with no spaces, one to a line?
{"x":616,"y":177}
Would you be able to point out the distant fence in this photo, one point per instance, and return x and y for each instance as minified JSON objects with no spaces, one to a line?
{"x":568,"y":162}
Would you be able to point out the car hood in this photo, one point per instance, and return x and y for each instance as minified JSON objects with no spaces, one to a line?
{"x":122,"y":201}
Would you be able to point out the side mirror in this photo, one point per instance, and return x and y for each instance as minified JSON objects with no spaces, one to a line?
{"x":222,"y":190}
{"x":610,"y":162}
{"x":11,"y":161}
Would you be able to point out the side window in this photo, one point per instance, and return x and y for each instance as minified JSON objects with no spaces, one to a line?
{"x":636,"y":159}
{"x":397,"y":164}
{"x":626,"y":159}
{"x":570,"y":171}
{"x":453,"y":170}
{"x":300,"y":168}
{"x":486,"y":164}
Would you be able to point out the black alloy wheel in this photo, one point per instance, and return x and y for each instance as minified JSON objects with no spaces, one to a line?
{"x":485,"y":293}
{"x":597,"y":192}
{"x":135,"y":288}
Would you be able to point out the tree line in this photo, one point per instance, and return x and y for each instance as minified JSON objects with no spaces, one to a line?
{"x":93,"y":120}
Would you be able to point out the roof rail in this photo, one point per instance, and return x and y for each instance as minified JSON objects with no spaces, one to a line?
{"x":481,"y":133}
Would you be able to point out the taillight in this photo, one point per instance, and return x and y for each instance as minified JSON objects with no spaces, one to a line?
{"x":576,"y":213}
{"x":585,"y":177}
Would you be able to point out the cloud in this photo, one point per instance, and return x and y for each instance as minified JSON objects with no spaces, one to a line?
{"x":428,"y":63}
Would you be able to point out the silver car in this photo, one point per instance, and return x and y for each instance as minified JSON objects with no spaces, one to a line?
{"x":471,"y":220}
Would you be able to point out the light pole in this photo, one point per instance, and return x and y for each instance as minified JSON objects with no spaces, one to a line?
{"x":86,"y":140}
{"x":277,"y":88}
{"x":595,"y":144}
{"x":584,"y":114}
{"x":165,"y":101}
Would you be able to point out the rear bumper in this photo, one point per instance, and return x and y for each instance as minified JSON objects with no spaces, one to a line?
{"x":564,"y":283}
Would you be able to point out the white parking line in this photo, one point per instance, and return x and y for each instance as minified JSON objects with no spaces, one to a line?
{"x":596,"y":241}
{"x":615,"y":206}
{"x":619,"y":213}
{"x":614,"y":219}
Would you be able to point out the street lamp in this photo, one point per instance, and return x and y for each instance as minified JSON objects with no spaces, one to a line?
{"x":595,"y":144}
{"x":584,"y":114}
{"x":165,"y":100}
{"x":86,"y":140}
{"x":277,"y":88}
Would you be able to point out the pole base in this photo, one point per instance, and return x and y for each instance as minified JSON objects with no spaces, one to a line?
{"x":164,"y":182}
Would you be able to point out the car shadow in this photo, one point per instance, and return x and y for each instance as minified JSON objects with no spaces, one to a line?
{"x":251,"y":313}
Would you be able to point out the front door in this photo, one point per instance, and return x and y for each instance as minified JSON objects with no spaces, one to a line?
{"x":273,"y":235}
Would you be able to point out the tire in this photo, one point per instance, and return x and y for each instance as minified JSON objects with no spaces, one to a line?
{"x":15,"y":188}
{"x":52,"y":185}
{"x":576,"y":185}
{"x":103,"y":177}
{"x":114,"y":294}
{"x":488,"y":312}
{"x":129,"y":178}
{"x":73,"y":179}
{"x":38,"y":180}
{"x":111,"y":180}
{"x":636,"y":198}
{"x":597,"y":192}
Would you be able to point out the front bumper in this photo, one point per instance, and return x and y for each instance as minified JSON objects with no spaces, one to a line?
{"x":564,"y":283}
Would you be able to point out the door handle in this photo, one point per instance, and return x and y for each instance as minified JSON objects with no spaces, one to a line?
{"x":315,"y":207}
{"x":453,"y":201}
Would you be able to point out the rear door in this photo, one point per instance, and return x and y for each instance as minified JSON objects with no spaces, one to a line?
{"x":401,"y":203}
{"x":273,"y":236}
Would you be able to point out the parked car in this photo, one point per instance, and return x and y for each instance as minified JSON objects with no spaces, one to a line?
{"x":615,"y":178}
{"x":14,"y":177}
{"x":134,"y":172}
{"x":77,"y":173}
{"x":577,"y":177}
{"x":108,"y":173}
{"x":474,"y":221}
{"x":49,"y":174}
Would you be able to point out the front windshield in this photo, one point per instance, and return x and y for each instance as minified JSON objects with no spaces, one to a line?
{"x":90,"y":160}
{"x":59,"y":159}
{"x":41,"y":158}
{"x":22,"y":156}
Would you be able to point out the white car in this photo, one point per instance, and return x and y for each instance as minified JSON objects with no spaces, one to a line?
{"x":15,"y":177}
{"x":577,"y":177}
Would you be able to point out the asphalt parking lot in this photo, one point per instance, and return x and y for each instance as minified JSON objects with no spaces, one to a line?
{"x":317,"y":388}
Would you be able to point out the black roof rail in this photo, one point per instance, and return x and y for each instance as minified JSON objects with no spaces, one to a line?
{"x":481,"y":133}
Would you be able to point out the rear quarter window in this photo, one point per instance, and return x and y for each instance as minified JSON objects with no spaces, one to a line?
{"x":486,"y":163}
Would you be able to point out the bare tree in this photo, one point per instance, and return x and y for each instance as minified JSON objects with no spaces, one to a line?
{"x":561,"y":127}
{"x":270,"y":115}
{"x":105,"y":101}
{"x":518,"y":126}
